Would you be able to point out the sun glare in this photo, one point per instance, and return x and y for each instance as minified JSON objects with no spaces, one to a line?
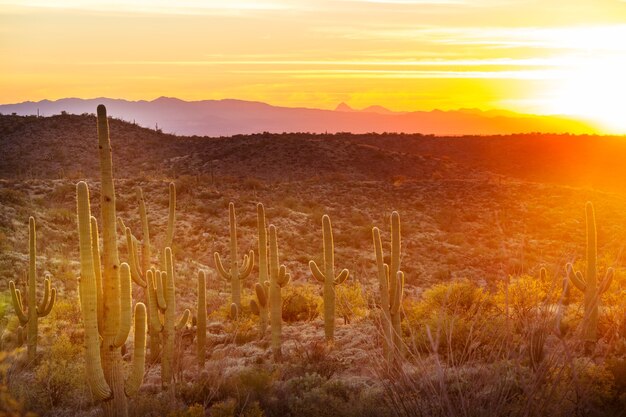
{"x":594,"y":90}
{"x":590,"y":83}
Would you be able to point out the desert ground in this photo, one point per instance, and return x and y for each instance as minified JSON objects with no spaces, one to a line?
{"x":483,"y":331}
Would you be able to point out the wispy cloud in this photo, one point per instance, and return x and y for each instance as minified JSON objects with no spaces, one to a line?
{"x":152,"y":6}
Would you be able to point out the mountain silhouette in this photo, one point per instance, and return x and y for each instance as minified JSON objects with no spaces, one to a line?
{"x":230,"y":117}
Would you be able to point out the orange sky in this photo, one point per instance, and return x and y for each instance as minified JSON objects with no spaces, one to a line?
{"x":537,"y":56}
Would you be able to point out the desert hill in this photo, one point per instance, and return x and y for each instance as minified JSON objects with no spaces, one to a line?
{"x":458,"y":200}
{"x":58,"y":146}
{"x":473,"y":242}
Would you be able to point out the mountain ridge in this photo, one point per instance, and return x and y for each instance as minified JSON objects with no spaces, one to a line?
{"x":227,"y":117}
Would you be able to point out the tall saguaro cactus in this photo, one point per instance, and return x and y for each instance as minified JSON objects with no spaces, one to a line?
{"x":234,"y":274}
{"x":260,"y":306}
{"x":106,"y":332}
{"x":278,"y":279}
{"x":328,"y":278}
{"x":163,"y":300}
{"x":391,"y":281}
{"x":588,"y":283}
{"x":105,"y":294}
{"x":35,"y":311}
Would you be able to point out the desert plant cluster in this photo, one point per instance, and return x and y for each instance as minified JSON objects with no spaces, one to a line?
{"x":144,"y":334}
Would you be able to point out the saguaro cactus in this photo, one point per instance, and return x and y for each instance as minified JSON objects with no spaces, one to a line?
{"x":234,"y":274}
{"x":201,"y":320}
{"x":260,"y":306}
{"x":163,"y":299}
{"x":106,"y":332}
{"x":105,"y":296}
{"x":391,"y":281}
{"x":278,"y":279}
{"x":588,"y":283}
{"x":140,"y":264}
{"x":35,"y":311}
{"x":328,"y":278}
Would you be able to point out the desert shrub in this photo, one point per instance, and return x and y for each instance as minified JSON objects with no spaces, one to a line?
{"x":59,"y":376}
{"x":458,"y":320}
{"x":195,"y":410}
{"x":300,"y":303}
{"x":245,"y":393}
{"x":429,"y":389}
{"x":13,"y":197}
{"x":230,"y":408}
{"x":244,"y":329}
{"x":203,"y":390}
{"x":351,"y":304}
{"x":526,"y":294}
{"x":312,"y":395}
{"x":62,"y":216}
{"x":66,"y":310}
{"x":151,"y":405}
{"x":316,"y":357}
{"x":586,"y":388}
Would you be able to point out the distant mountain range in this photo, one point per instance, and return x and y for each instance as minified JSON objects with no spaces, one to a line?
{"x":230,"y":117}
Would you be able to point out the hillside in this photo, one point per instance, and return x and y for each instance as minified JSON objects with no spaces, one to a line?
{"x":58,"y":146}
{"x":473,"y":245}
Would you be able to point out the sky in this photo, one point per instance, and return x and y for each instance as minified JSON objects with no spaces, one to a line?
{"x":530,"y":56}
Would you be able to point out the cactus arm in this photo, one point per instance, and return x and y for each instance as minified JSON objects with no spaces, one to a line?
{"x":184,"y":319}
{"x":262,"y":243}
{"x":47,"y":308}
{"x":248,"y":264}
{"x":95,"y":251}
{"x":121,"y":224}
{"x":135,"y":378}
{"x":220,"y":267}
{"x":155,"y":322}
{"x":261,"y":294}
{"x":606,"y":282}
{"x":125,"y":306}
{"x":234,"y":311}
{"x":576,"y":278}
{"x":46,"y":296}
{"x":317,"y":274}
{"x":285,"y":280}
{"x":383,"y":273}
{"x":16,"y":296}
{"x":135,"y":274}
{"x":343,"y":275}
{"x":171,"y":218}
{"x":145,"y":230}
{"x":394,"y":265}
{"x":399,"y":290}
{"x":160,"y":290}
{"x":20,"y":336}
{"x":88,"y":299}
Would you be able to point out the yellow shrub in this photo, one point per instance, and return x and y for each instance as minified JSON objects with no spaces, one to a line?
{"x":301,"y":303}
{"x":350,"y":301}
{"x":458,"y":320}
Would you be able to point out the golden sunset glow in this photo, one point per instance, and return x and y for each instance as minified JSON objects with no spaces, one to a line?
{"x":556,"y":57}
